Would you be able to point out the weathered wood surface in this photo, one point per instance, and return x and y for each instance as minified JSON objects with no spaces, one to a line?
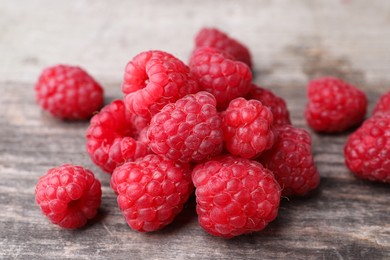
{"x":291,"y":42}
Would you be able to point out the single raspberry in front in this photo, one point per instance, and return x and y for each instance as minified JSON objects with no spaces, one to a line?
{"x":235,"y":196}
{"x":334,"y":105}
{"x":154,"y":78}
{"x":151,"y":191}
{"x":276,"y":104}
{"x":68,"y":92}
{"x":68,"y":195}
{"x":291,"y":161}
{"x":219,"y":74}
{"x":246,"y":127}
{"x":112,"y":137}
{"x":212,"y":37}
{"x":187,"y":130}
{"x":367,"y":151}
{"x":383,"y":104}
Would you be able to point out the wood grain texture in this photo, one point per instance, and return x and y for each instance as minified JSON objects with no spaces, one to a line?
{"x":345,"y":218}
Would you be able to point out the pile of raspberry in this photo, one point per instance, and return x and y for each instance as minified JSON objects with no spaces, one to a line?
{"x":204,"y":126}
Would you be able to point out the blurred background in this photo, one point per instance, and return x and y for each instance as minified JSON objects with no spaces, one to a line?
{"x":290,"y":41}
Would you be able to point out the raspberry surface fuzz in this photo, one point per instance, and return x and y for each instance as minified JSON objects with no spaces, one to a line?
{"x":151,"y":191}
{"x":68,"y":195}
{"x":187,"y":130}
{"x":291,"y":161}
{"x":219,"y":74}
{"x":334,"y":105}
{"x":68,"y":92}
{"x":154,"y":78}
{"x":247,"y":127}
{"x":367,"y":151}
{"x":235,"y":196}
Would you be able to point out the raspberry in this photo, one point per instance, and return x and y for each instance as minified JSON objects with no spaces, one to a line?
{"x":151,"y":191}
{"x":68,"y":195}
{"x":188,"y":130}
{"x":68,"y":92}
{"x":235,"y":196}
{"x":110,"y":137}
{"x":367,"y":151}
{"x":334,"y":106}
{"x":276,"y":104}
{"x":291,"y":161}
{"x":247,"y":128}
{"x":211,"y":37}
{"x":220,"y":75}
{"x":153,"y":79}
{"x":383,"y":104}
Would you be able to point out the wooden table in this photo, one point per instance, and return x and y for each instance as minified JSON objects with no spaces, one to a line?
{"x":291,"y":42}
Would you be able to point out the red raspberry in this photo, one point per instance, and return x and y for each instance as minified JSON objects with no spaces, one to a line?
{"x":220,"y":75}
{"x":276,"y":104}
{"x":110,"y":137}
{"x":153,"y":79}
{"x":188,"y":130}
{"x":68,"y":92}
{"x":247,"y":127}
{"x":291,"y":161}
{"x":151,"y":191}
{"x":334,"y":106}
{"x":383,"y":104}
{"x":367,"y":151}
{"x":211,"y":37}
{"x":235,"y":196}
{"x":138,"y":123}
{"x":68,"y":195}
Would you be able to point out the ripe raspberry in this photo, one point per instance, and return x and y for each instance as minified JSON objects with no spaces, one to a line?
{"x":291,"y":161}
{"x":235,"y":196}
{"x":276,"y":104}
{"x":68,"y":195}
{"x":68,"y":92}
{"x":367,"y":151}
{"x":153,"y":79}
{"x":110,"y":137}
{"x":211,"y":37}
{"x":383,"y":104}
{"x":151,"y":191}
{"x":247,"y":127}
{"x":188,"y":130}
{"x":220,"y":75}
{"x":334,"y":106}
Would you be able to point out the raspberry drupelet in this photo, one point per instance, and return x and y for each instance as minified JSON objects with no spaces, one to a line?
{"x":367,"y":151}
{"x":219,"y":74}
{"x":212,"y":37}
{"x":151,"y":191}
{"x":235,"y":196}
{"x":334,"y":105}
{"x":247,"y":127}
{"x":68,"y":92}
{"x":276,"y":104}
{"x":112,"y":137}
{"x":188,"y":130}
{"x":153,"y":79}
{"x":68,"y":195}
{"x":291,"y":161}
